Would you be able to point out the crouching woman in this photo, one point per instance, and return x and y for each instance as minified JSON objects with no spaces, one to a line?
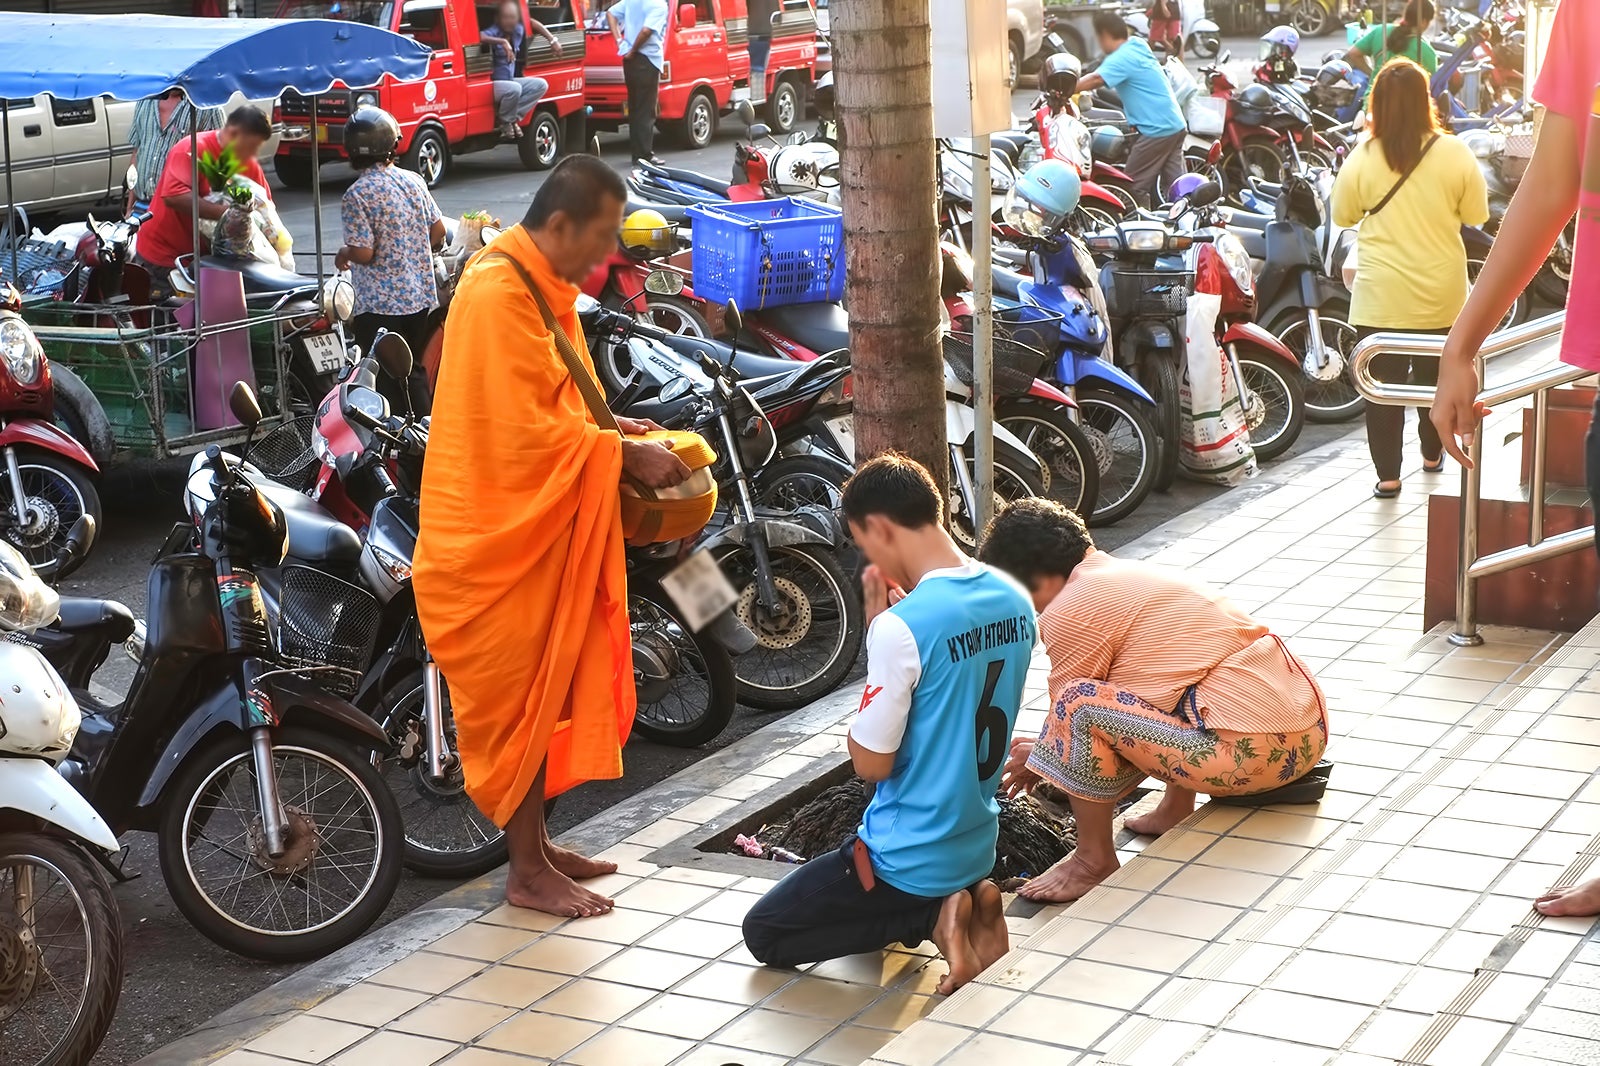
{"x":1151,"y":675}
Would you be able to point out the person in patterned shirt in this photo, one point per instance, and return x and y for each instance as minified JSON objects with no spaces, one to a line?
{"x":391,"y":227}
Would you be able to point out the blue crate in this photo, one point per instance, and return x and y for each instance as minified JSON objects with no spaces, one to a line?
{"x":768,"y":252}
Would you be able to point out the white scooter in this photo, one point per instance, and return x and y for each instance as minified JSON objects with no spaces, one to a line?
{"x":60,"y":934}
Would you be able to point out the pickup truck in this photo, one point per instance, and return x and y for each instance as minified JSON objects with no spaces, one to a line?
{"x":451,"y":110}
{"x":707,"y":68}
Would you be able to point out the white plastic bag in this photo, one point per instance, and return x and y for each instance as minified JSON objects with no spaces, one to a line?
{"x":1207,"y":116}
{"x":1213,"y":430}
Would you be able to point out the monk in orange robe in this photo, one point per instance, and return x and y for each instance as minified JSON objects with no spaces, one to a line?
{"x":520,"y":576}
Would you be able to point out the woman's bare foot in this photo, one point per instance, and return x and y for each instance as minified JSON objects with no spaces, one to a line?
{"x":1579,"y":901}
{"x":988,"y":933}
{"x":553,"y":892}
{"x":954,"y":941}
{"x":578,"y":867}
{"x":1071,"y":878}
{"x":1174,"y":807}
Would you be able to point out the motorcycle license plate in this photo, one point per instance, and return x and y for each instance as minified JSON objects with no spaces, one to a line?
{"x":324,"y":351}
{"x":700,"y":589}
{"x":843,"y":429}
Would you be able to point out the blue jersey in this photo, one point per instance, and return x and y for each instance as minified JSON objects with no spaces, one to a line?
{"x":947,"y":665}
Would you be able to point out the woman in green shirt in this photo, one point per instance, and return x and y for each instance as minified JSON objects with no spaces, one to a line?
{"x":1404,"y":38}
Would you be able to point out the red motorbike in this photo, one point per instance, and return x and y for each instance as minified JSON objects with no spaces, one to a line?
{"x":49,"y":480}
{"x":1264,"y":122}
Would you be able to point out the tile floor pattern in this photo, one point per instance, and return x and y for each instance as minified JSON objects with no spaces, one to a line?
{"x":1390,"y":923}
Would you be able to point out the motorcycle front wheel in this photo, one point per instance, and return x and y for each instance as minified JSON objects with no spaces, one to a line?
{"x":1158,"y":373}
{"x":1072,"y":472}
{"x":1326,"y":401}
{"x":59,"y":492}
{"x":446,"y":834}
{"x":808,"y":640}
{"x":1011,"y":482}
{"x":684,"y":680}
{"x":344,"y":847}
{"x":60,"y":952}
{"x":1124,"y":446}
{"x":1274,"y":402}
{"x":791,"y":482}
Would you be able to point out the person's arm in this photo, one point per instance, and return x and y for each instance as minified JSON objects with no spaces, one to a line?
{"x":359,"y":239}
{"x":1543,"y":205}
{"x":544,"y":31}
{"x":437,"y":234}
{"x":1346,"y":204}
{"x":616,"y":25}
{"x":494,"y":39}
{"x":894,"y":666}
{"x":1473,"y":207}
{"x":1090,"y":82}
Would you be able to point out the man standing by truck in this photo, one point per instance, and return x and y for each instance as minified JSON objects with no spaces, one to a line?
{"x":759,"y":20}
{"x":515,"y":97}
{"x":639,"y":27}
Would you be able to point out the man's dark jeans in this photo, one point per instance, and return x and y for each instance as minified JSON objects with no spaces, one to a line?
{"x":820,"y":911}
{"x":644,"y":88}
{"x":413,"y":328}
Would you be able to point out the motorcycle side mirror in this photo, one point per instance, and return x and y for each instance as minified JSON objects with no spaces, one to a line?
{"x":673,"y":390}
{"x":1178,"y":207}
{"x":746,"y":112}
{"x":759,"y":130}
{"x":731,"y":315}
{"x":1225,"y":57}
{"x":393,"y":354}
{"x":663,"y":283}
{"x":246,"y":409}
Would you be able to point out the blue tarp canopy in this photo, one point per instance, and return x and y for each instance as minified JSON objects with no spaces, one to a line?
{"x":129,"y":57}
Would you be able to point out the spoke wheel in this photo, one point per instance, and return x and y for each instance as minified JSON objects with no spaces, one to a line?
{"x":1124,"y":445}
{"x":684,"y":680}
{"x":1274,"y":403}
{"x":58,"y":492}
{"x":446,"y":834}
{"x":60,"y":952}
{"x":1334,"y":399}
{"x":1071,"y":468}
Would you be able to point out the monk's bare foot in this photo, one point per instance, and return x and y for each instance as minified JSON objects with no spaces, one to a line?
{"x":955,"y":943}
{"x":1579,"y":901}
{"x":553,"y":892}
{"x":578,"y":867}
{"x":1067,"y":880}
{"x":1173,"y":808}
{"x":988,"y":933}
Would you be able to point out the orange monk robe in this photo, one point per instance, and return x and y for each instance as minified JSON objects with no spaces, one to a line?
{"x":519,"y":575}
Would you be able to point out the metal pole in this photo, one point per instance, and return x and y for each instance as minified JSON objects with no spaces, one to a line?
{"x":316,"y":193}
{"x":983,"y":333}
{"x":1536,"y":476}
{"x":194,"y":215}
{"x":11,"y":196}
{"x":1466,"y":632}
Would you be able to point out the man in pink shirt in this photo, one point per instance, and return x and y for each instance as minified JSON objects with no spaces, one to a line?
{"x":1569,"y":89}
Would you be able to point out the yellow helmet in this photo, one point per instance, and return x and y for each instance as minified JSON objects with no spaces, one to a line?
{"x":647,"y":235}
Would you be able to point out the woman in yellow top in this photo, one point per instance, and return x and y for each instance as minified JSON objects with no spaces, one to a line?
{"x":1411,"y":188}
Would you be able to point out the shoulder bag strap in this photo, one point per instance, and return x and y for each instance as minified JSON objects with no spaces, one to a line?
{"x":581,"y":377}
{"x":1403,"y":178}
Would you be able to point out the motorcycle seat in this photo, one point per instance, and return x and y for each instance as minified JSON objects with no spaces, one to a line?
{"x":315,"y":536}
{"x":1006,"y":282}
{"x":1246,"y":221}
{"x":822,"y":327}
{"x":1255,"y":243}
{"x":81,"y":615}
{"x":261,"y":277}
{"x":758,"y":369}
{"x":689,"y":177}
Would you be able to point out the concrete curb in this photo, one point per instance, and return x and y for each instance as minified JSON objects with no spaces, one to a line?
{"x":382,"y":947}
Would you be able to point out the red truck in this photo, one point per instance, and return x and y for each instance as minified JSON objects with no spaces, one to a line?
{"x":451,"y":111}
{"x":707,"y":68}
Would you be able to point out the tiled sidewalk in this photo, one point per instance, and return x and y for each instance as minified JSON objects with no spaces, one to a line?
{"x":1389,"y":923}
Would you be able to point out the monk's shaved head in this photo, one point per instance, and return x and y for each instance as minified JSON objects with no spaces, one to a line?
{"x":582,"y":187}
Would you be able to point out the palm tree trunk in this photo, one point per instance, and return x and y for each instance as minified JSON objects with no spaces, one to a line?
{"x":884,"y":94}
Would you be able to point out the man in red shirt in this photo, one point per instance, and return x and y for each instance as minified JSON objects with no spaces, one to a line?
{"x":170,"y":231}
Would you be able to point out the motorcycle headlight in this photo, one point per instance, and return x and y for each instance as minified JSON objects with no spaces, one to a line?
{"x":21,"y":350}
{"x":338,"y":298}
{"x":1144,"y":240}
{"x":397,"y":568}
{"x":365,"y":98}
{"x":1237,"y":260}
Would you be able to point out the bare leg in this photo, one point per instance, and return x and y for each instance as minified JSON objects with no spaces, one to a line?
{"x":1176,"y":805}
{"x":988,"y":933}
{"x":1094,"y":860}
{"x":1579,"y":901}
{"x":954,"y":941}
{"x":533,"y":881}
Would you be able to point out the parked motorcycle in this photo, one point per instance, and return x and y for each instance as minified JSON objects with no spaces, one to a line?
{"x":50,"y":476}
{"x":277,"y":836}
{"x":61,"y":943}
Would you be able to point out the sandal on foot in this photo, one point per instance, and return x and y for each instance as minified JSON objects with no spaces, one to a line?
{"x":1383,"y":492}
{"x":1434,"y":467}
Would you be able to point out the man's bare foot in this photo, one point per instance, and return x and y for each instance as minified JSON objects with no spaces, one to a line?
{"x":553,"y":892}
{"x":578,"y":867}
{"x":1579,"y":901}
{"x":1172,"y":809}
{"x":955,"y":943}
{"x":988,"y":933}
{"x":1067,"y":880}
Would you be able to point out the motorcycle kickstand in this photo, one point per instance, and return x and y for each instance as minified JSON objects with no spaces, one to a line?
{"x":116,"y":864}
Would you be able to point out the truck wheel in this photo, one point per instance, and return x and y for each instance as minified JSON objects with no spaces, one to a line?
{"x":294,"y":170}
{"x":1014,"y":48}
{"x":540,"y":146}
{"x":429,"y":156}
{"x":783,"y":107}
{"x":699,"y":122}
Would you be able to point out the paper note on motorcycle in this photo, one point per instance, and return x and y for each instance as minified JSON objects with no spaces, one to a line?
{"x":700,"y":590}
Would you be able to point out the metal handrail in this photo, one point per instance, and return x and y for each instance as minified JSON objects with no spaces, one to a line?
{"x":1471,"y":567}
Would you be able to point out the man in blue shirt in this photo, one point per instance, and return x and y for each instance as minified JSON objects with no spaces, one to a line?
{"x":640,"y":27}
{"x":946,"y":663}
{"x":1130,"y":68}
{"x":514,"y":96}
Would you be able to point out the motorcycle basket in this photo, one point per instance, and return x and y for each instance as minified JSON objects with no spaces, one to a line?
{"x":285,"y":454}
{"x":1148,"y":292}
{"x":1033,"y":326}
{"x":326,"y":629}
{"x":1015,"y":365}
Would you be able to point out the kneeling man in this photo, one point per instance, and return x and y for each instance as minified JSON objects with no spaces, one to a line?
{"x":947,"y":655}
{"x":1152,"y":675}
